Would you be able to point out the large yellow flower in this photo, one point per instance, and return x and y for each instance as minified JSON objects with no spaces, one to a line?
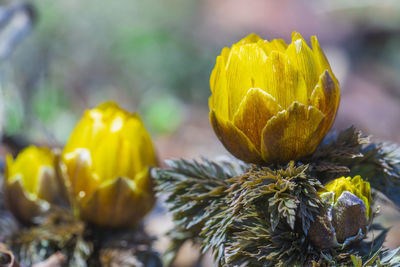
{"x":108,"y":157}
{"x":33,"y":182}
{"x":272,"y":102}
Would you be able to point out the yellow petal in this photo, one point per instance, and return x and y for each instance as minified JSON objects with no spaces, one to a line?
{"x":278,"y":44}
{"x":87,"y":132}
{"x":54,"y":186}
{"x":117,"y":203}
{"x":225,"y":54}
{"x":249,"y":39}
{"x":363,"y":191}
{"x":28,"y":165}
{"x":136,"y":148}
{"x":219,"y":89}
{"x":108,"y":106}
{"x":291,"y":134}
{"x":105,"y":156}
{"x":246,"y":68}
{"x":94,"y":124}
{"x":253,"y":114}
{"x":48,"y":186}
{"x":283,"y":81}
{"x":326,"y":98}
{"x":79,"y":168}
{"x":320,"y":58}
{"x":274,"y":45}
{"x":234,"y":140}
{"x":123,"y":151}
{"x":302,"y":57}
{"x":144,"y":184}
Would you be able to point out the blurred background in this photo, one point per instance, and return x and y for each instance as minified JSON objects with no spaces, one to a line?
{"x":155,"y":57}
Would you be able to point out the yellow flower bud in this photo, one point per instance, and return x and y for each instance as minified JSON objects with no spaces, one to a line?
{"x":357,"y":186}
{"x":272,"y":102}
{"x":108,"y":157}
{"x":347,"y":215}
{"x":33,"y":181}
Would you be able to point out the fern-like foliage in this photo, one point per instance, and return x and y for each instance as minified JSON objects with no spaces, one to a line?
{"x":195,"y":193}
{"x":261,"y":215}
{"x":82,"y":246}
{"x":59,"y":232}
{"x":334,"y":154}
{"x":262,"y":202}
{"x":351,"y":153}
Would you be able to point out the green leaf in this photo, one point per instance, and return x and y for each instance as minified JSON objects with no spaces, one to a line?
{"x":357,"y":261}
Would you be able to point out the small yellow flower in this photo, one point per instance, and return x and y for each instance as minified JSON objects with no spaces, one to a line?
{"x":32,"y":182}
{"x":108,"y":157}
{"x":357,"y":186}
{"x":272,"y":102}
{"x":347,"y":215}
